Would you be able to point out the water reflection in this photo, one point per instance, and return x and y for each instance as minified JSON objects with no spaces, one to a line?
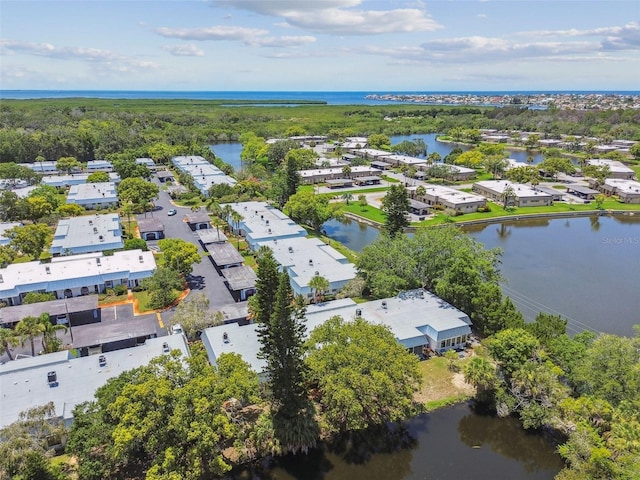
{"x":439,"y":445}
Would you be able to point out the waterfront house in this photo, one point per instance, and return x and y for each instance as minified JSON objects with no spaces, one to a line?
{"x":324,"y":175}
{"x":628,"y":191}
{"x":419,"y":320}
{"x":616,"y":169}
{"x":524,"y":195}
{"x":449,"y":198}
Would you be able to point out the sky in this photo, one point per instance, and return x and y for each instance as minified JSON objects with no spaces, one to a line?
{"x":320,"y":45}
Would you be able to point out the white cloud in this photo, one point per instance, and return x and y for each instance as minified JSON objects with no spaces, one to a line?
{"x":219,"y":32}
{"x":626,"y":37}
{"x":281,"y":42}
{"x":340,"y":17}
{"x":186,"y":50}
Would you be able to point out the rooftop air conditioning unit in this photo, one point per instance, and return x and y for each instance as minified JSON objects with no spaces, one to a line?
{"x":290,"y":249}
{"x":48,"y":270}
{"x":52,"y":379}
{"x":225,"y":337}
{"x":384,"y":304}
{"x":358,"y":312}
{"x":141,"y":259}
{"x":98,"y":261}
{"x":310,"y":262}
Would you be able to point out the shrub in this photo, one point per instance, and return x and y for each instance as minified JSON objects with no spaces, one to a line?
{"x":120,"y":289}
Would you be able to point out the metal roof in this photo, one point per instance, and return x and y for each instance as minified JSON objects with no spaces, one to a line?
{"x":53,"y":307}
{"x":240,"y":278}
{"x":224,"y":254}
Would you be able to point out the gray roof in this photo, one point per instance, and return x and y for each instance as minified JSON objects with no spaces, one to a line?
{"x":240,"y":278}
{"x":411,"y":316}
{"x":582,"y":190}
{"x":340,"y":181}
{"x":24,"y":382}
{"x":53,"y":307}
{"x":165,"y":174}
{"x":418,"y":204}
{"x":150,"y":225}
{"x":211,"y":235}
{"x":198,"y":217}
{"x":89,"y":233}
{"x":224,"y":254}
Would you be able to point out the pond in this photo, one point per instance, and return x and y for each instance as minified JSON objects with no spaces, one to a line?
{"x":452,"y":443}
{"x":585,"y":269}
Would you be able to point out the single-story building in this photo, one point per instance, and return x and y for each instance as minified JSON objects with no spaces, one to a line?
{"x":449,"y":198}
{"x":198,"y":220}
{"x":628,"y":191}
{"x":380,"y":165}
{"x":339,"y":183}
{"x":322,"y":175}
{"x":166,"y":176}
{"x":370,"y":180}
{"x":585,"y":193}
{"x":419,"y":320}
{"x":241,"y":281}
{"x":616,"y":169}
{"x":65,"y":181}
{"x":67,"y":311}
{"x":454,"y":172}
{"x":3,"y":230}
{"x":45,"y":168}
{"x":94,"y":196}
{"x":75,"y":275}
{"x":87,"y":234}
{"x":68,"y":381}
{"x":418,"y":208}
{"x":523,"y":195}
{"x":99,"y":166}
{"x":151,"y":228}
{"x":224,"y":256}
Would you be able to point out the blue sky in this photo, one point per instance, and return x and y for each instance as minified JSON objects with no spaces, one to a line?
{"x":379,"y":45}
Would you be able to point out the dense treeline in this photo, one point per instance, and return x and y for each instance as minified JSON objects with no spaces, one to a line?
{"x":90,"y":129}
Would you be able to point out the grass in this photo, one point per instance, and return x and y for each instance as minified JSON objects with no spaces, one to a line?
{"x":144,"y":300}
{"x":438,"y":388}
{"x":104,"y":299}
{"x":369,"y":212}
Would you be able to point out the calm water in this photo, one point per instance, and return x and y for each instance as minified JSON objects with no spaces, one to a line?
{"x":229,"y":152}
{"x":585,"y":269}
{"x":452,"y":443}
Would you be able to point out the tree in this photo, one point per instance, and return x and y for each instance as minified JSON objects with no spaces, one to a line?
{"x":635,"y":150}
{"x":70,"y":210}
{"x":48,"y":192}
{"x":318,"y":285}
{"x":451,"y":356}
{"x":137,"y":191}
{"x":281,"y":346}
{"x":379,"y":141}
{"x":512,"y":348}
{"x":547,"y":327}
{"x":307,"y":208}
{"x":395,"y":205}
{"x":8,"y":339}
{"x":194,"y":315}
{"x":481,"y":373}
{"x":126,"y":168}
{"x":292,"y":177}
{"x":37,"y":297}
{"x":362,"y":200}
{"x":50,"y":341}
{"x":179,"y":254}
{"x":507,"y":196}
{"x":7,"y":255}
{"x":553,"y":165}
{"x":68,"y":164}
{"x":30,"y":328}
{"x":25,"y":445}
{"x":162,"y":286}
{"x":525,"y":174}
{"x":12,"y":207}
{"x":135,"y":244}
{"x":346,"y":171}
{"x":347,"y":197}
{"x":38,"y":207}
{"x":29,"y":239}
{"x":261,"y":304}
{"x":362,"y":375}
{"x":98,"y":177}
{"x":496,"y":165}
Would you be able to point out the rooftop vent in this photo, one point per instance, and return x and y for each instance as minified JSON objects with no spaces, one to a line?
{"x":141,"y":259}
{"x":267,"y":222}
{"x":165,"y":348}
{"x":269,"y":230}
{"x":1,"y":279}
{"x":384,"y":304}
{"x":52,"y":379}
{"x":290,"y":249}
{"x":358,"y":312}
{"x":95,"y":229}
{"x":102,"y":360}
{"x":90,"y":222}
{"x":225,"y":337}
{"x":101,"y":238}
{"x":48,"y":270}
{"x":310,"y":262}
{"x":98,"y":261}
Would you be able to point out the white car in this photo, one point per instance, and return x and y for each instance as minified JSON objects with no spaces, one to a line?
{"x":177,"y":329}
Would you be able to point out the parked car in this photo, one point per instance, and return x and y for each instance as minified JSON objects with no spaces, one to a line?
{"x":177,"y":329}
{"x":172,"y":212}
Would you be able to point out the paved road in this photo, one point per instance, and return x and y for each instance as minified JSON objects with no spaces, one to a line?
{"x":204,"y":278}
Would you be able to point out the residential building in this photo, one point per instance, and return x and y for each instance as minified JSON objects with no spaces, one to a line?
{"x":67,"y":381}
{"x":99,"y":166}
{"x":94,"y":196}
{"x":71,"y":276}
{"x":151,"y":228}
{"x":87,"y":234}
{"x":3,"y":230}
{"x":454,"y":172}
{"x":628,"y":191}
{"x":523,"y":195}
{"x":303,"y":258}
{"x":419,"y":320}
{"x":400,"y":160}
{"x":616,"y":169}
{"x":449,"y":198}
{"x":261,"y":222}
{"x":45,"y":168}
{"x":322,"y":175}
{"x":204,"y":174}
{"x":65,"y":181}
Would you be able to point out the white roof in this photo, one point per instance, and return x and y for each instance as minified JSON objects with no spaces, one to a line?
{"x":89,"y":233}
{"x":24,"y":382}
{"x":3,"y":230}
{"x":623,"y":185}
{"x":263,"y":222}
{"x":183,"y":160}
{"x":74,"y":271}
{"x":90,"y":192}
{"x":74,"y":179}
{"x":406,"y":159}
{"x":411,"y":316}
{"x":614,"y":165}
{"x":372,"y":152}
{"x":520,"y":189}
{"x":303,"y":257}
{"x":450,"y":195}
{"x":338,"y":170}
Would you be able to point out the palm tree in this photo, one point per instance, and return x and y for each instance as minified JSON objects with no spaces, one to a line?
{"x":318,"y":285}
{"x":50,"y":341}
{"x":507,"y":195}
{"x":236,"y":218}
{"x":30,"y":328}
{"x":347,"y":197}
{"x":226,"y":212}
{"x":8,"y":339}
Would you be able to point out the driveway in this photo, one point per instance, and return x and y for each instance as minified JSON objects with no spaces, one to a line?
{"x":204,"y":278}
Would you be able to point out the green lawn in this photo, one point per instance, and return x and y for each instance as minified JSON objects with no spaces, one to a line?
{"x":368,"y":212}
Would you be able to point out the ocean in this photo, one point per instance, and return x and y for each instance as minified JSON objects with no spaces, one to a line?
{"x":330,"y":97}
